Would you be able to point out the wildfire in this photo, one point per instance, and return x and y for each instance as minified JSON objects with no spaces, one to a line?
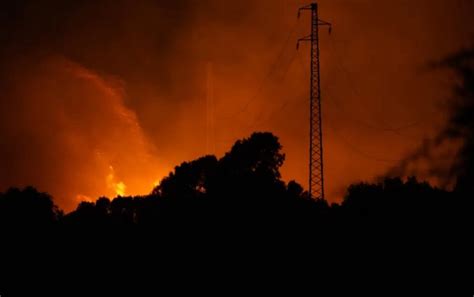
{"x":118,"y":186}
{"x":81,"y":198}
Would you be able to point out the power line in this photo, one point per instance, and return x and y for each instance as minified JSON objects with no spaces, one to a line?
{"x":365,"y":123}
{"x":259,"y":119}
{"x":380,"y":125}
{"x":355,"y":149}
{"x":287,"y":101}
{"x":269,"y":74}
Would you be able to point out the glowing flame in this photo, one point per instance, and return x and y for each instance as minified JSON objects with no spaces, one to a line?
{"x":117,"y":186}
{"x":120,"y":188}
{"x":83,"y":198}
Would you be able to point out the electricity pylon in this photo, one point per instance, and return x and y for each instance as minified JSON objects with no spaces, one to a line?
{"x":316,"y":176}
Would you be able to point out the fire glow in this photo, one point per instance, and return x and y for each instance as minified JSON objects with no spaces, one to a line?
{"x":118,"y":85}
{"x":117,"y":186}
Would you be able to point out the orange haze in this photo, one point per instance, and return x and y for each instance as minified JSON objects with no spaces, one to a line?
{"x":105,"y":97}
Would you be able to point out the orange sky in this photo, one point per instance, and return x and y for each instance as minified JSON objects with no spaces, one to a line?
{"x":107,"y":95}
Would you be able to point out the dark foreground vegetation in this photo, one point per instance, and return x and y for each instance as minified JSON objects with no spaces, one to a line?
{"x":232,"y":222}
{"x":231,"y":226}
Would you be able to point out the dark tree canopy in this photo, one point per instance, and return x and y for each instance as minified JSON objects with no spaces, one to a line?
{"x":260,"y":154}
{"x":189,"y":180}
{"x":234,"y":213}
{"x":27,"y":207}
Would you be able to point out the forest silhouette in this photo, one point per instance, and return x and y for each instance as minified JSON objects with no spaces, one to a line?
{"x":236,"y":212}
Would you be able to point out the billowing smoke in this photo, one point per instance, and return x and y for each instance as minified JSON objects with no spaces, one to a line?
{"x":96,"y":94}
{"x":70,"y":132}
{"x":103,"y":97}
{"x":449,"y":156}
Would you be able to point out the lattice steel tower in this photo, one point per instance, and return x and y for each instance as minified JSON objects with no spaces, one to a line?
{"x":316,"y":176}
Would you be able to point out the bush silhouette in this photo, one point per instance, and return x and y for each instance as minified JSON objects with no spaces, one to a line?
{"x":27,"y":208}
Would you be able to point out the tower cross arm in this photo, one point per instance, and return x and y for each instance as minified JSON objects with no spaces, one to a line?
{"x":323,"y":23}
{"x":306,"y":38}
{"x":307,"y":7}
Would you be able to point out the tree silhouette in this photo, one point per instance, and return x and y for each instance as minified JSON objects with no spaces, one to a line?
{"x":190,"y":180}
{"x":237,"y":208}
{"x":27,"y":208}
{"x":260,"y":155}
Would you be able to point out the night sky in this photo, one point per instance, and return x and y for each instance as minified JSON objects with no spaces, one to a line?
{"x":106,"y":97}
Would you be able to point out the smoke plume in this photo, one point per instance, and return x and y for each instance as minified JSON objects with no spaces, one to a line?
{"x":449,"y":156}
{"x":102,"y":97}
